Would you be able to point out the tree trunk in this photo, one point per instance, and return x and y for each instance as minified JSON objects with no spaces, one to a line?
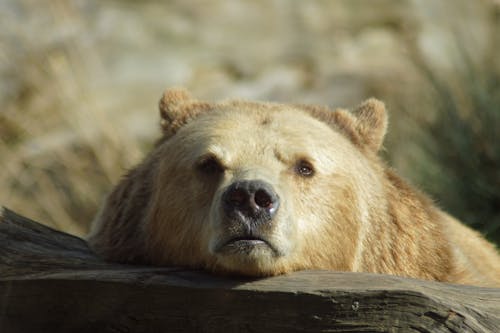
{"x":51,"y":282}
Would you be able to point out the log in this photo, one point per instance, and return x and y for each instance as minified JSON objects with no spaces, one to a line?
{"x":52,"y":282}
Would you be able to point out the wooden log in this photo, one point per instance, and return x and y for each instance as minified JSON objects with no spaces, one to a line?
{"x":51,"y":282}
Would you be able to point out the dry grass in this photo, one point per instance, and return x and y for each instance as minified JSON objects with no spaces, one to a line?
{"x":59,"y":148}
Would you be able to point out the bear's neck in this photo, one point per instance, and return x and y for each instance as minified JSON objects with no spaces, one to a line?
{"x":406,"y":236}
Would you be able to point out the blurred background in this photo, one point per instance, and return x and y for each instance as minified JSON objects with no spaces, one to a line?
{"x":80,"y":81}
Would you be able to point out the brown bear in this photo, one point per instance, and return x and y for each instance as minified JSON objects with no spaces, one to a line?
{"x":260,"y":189}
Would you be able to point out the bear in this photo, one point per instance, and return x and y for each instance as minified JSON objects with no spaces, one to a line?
{"x":258,"y":189}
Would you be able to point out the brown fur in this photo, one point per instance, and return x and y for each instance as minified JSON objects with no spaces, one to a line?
{"x":353,"y":214}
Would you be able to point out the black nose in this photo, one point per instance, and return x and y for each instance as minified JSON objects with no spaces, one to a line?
{"x":253,"y":199}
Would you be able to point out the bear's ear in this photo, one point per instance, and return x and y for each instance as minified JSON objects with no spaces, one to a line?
{"x":371,"y":123}
{"x":177,"y":108}
{"x":365,"y":126}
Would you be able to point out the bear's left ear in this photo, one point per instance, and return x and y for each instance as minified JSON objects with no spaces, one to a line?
{"x":366,"y":125}
{"x":177,"y":108}
{"x":371,"y":122}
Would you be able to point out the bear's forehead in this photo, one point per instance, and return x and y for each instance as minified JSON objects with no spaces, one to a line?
{"x":248,"y":133}
{"x":245,"y":125}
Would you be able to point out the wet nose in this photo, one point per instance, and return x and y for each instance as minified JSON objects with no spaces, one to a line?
{"x":253,"y":199}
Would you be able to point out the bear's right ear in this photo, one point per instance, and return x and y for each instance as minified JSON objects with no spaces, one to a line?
{"x":177,"y":108}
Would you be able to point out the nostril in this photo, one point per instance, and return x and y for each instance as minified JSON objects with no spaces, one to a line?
{"x":263,"y":199}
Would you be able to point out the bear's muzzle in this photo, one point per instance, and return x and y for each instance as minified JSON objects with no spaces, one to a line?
{"x":249,"y":208}
{"x":253,"y":201}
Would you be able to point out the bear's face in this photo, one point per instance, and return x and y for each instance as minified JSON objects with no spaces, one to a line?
{"x":260,"y":189}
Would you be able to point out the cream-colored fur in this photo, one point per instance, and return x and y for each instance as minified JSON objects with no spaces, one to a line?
{"x":353,"y":214}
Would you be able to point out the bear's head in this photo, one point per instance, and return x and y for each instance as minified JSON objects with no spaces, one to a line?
{"x":250,"y":188}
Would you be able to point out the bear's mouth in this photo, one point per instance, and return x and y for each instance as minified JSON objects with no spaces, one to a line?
{"x":243,"y":240}
{"x":245,"y":244}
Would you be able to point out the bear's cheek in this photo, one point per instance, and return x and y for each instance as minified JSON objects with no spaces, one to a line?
{"x":178,"y":225}
{"x":327,"y":226}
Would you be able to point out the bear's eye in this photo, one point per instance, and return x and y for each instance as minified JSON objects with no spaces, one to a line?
{"x":209,"y":165}
{"x":304,"y":168}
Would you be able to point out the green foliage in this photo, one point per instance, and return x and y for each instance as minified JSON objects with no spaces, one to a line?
{"x":462,"y":144}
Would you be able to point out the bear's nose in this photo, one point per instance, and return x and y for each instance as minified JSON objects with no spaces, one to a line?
{"x":254,"y":199}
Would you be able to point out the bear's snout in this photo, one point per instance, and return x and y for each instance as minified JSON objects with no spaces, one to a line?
{"x":251,"y":199}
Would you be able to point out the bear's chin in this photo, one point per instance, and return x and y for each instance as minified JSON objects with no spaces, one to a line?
{"x":247,"y":257}
{"x":247,"y":247}
{"x":234,"y":266}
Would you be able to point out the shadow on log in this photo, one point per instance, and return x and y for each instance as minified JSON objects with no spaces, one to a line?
{"x":51,"y":282}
